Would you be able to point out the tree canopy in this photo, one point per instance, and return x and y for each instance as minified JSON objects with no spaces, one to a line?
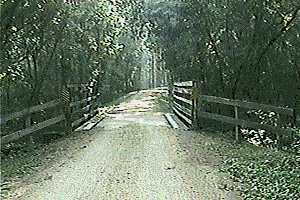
{"x":237,"y":49}
{"x":48,"y":44}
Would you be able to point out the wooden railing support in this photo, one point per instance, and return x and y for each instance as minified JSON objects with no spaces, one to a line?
{"x":199,"y":104}
{"x":66,"y":99}
{"x":27,"y":125}
{"x":297,"y":112}
{"x":183,"y":103}
{"x":236,"y":116}
{"x":196,"y":101}
{"x":194,"y":104}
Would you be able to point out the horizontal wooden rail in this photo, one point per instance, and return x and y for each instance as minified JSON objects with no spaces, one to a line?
{"x":182,"y":103}
{"x":184,"y":84}
{"x":29,"y":111}
{"x":187,"y":101}
{"x":65,"y":107}
{"x":249,"y":105}
{"x":31,"y":129}
{"x":183,"y":90}
{"x":171,"y":121}
{"x":188,"y":105}
{"x":185,"y":110}
{"x":182,"y":116}
{"x":241,"y":122}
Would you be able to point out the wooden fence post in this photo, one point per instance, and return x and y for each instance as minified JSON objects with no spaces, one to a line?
{"x":76,"y":97}
{"x":27,"y":125}
{"x":98,"y":100}
{"x":297,"y":112}
{"x":66,"y":99}
{"x":88,"y":102}
{"x":200,"y":107}
{"x":194,"y":105}
{"x":236,"y":116}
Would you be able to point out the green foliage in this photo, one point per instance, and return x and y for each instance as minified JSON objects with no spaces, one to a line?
{"x":262,"y":173}
{"x":47,"y":44}
{"x":267,"y":176}
{"x":247,"y":50}
{"x":237,"y":49}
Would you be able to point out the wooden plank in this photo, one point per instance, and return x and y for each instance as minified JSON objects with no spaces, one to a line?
{"x":92,"y":124}
{"x":29,"y":111}
{"x":245,"y":104}
{"x":190,"y":102}
{"x":89,"y":126}
{"x":184,"y":84}
{"x":236,"y":116}
{"x":65,"y":100}
{"x":186,"y":108}
{"x":180,"y":115}
{"x":21,"y":133}
{"x":243,"y":123}
{"x":101,"y":115}
{"x":171,"y":121}
{"x":183,"y":90}
{"x":194,"y":98}
{"x":183,"y":109}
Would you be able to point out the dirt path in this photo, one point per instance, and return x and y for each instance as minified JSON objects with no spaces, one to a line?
{"x":133,"y":154}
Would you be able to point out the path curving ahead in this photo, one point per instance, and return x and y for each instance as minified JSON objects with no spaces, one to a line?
{"x":133,"y":154}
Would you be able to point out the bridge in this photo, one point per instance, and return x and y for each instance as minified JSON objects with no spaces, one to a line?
{"x":133,"y":153}
{"x":146,"y":146}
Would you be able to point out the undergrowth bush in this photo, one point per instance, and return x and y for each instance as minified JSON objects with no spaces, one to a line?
{"x":263,"y":173}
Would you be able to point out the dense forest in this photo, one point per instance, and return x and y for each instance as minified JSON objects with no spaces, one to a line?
{"x":48,"y":44}
{"x":246,"y":50}
{"x":238,"y":49}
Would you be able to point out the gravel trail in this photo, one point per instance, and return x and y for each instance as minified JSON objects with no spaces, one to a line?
{"x":133,"y":154}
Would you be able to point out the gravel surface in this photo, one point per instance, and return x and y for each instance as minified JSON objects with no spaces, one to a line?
{"x":132,"y":154}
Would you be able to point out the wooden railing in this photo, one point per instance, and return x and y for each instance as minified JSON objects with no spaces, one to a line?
{"x":72,"y":113}
{"x":188,"y":105}
{"x":183,"y":104}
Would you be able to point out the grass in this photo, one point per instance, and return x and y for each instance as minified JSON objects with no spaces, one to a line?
{"x":22,"y":157}
{"x":262,"y":173}
{"x":18,"y":161}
